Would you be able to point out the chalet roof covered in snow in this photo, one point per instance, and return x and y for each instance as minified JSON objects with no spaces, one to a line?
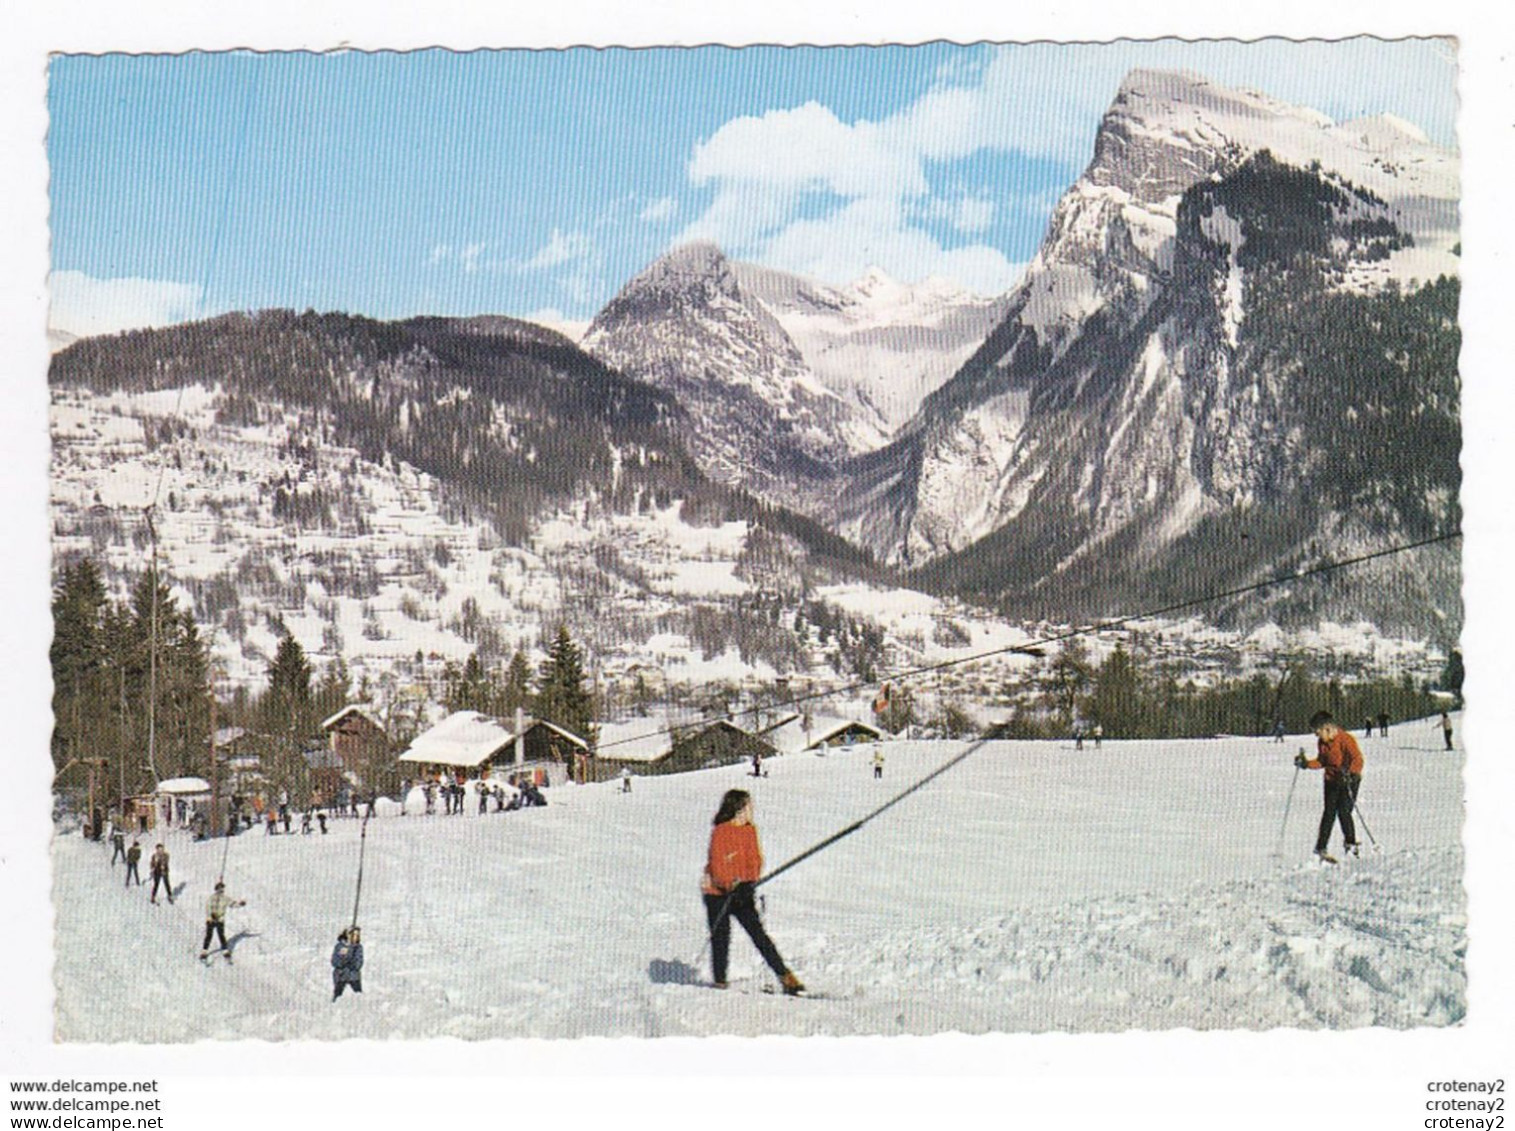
{"x":464,"y":738}
{"x":641,"y":740}
{"x":348,"y":711}
{"x":559,"y":731}
{"x":793,"y":736}
{"x":183,"y":786}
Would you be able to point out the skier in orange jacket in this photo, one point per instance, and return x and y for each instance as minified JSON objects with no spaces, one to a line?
{"x":1338,"y":754}
{"x":732,"y":869}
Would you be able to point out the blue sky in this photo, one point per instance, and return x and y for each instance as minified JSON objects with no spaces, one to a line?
{"x":537,"y":182}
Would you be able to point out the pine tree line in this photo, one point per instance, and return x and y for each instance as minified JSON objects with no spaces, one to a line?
{"x":1131,"y":697}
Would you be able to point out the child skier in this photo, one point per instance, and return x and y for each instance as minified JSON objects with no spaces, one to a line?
{"x":732,"y":868}
{"x":347,"y":963}
{"x":1338,"y":754}
{"x":216,"y":908}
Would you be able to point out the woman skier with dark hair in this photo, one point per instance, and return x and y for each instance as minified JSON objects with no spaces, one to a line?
{"x":732,"y":869}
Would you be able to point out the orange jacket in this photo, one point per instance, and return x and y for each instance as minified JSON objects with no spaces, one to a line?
{"x":1338,"y":753}
{"x":734,"y":857}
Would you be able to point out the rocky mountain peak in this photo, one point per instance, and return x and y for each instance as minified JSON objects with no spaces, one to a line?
{"x":688,"y":269}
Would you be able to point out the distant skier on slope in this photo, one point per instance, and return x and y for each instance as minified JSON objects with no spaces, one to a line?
{"x":878,"y":764}
{"x":133,"y":856}
{"x":1338,"y":754}
{"x":733,"y":866}
{"x":1446,"y":734}
{"x":216,"y":908}
{"x":347,"y":963}
{"x":157,"y":867}
{"x":118,"y":835}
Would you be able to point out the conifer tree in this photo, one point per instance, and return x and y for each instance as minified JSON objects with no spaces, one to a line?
{"x":562,"y":697}
{"x":516,"y":693}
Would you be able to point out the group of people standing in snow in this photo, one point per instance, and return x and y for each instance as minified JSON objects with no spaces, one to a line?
{"x":520,"y":791}
{"x":157,"y":864}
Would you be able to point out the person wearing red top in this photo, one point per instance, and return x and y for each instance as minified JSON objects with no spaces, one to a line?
{"x":1338,"y":754}
{"x":732,"y":869}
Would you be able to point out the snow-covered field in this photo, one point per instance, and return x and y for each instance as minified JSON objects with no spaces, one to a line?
{"x":1031,"y":888}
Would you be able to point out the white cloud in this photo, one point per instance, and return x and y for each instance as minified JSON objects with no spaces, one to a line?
{"x":555,"y":319}
{"x":874,"y":177}
{"x":659,"y":210}
{"x":808,"y":148}
{"x":562,"y":247}
{"x":968,"y":214}
{"x":469,"y":257}
{"x":83,"y":305}
{"x":871,"y":233}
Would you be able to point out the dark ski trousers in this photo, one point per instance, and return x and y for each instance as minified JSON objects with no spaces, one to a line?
{"x":168,"y":890}
{"x":132,"y":874}
{"x":739,"y":905}
{"x":214,"y":927}
{"x":1446,"y":734}
{"x":120,"y":852}
{"x":339,"y":983}
{"x":1340,"y":797}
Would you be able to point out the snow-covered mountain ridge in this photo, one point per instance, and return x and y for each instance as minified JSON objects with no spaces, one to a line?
{"x":784,"y":378}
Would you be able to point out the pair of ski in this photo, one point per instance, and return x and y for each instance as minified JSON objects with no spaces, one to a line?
{"x":749,"y":989}
{"x":1353,"y":853}
{"x":221,"y":950}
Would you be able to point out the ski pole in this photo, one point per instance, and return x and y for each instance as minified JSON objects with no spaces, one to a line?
{"x":362,"y":844}
{"x":1357,"y":809}
{"x":224,"y":849}
{"x":1289,"y":804}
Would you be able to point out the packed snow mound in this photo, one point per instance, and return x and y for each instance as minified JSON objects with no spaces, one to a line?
{"x":1033,"y":887}
{"x":1369,"y":943}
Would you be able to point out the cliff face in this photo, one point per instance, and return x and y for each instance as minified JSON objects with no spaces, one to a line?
{"x":1227,"y":326}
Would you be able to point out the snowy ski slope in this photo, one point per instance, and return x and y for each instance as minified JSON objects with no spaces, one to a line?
{"x":1031,"y":888}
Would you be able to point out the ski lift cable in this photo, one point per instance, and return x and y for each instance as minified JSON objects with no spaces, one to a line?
{"x":978,"y":744}
{"x":974,"y":747}
{"x":214,"y":254}
{"x":1028,"y":646}
{"x":206,"y":276}
{"x":362,"y":845}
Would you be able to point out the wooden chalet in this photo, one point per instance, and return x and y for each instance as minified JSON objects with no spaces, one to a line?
{"x":477,"y":745}
{"x":820,"y":733}
{"x":356,"y":737}
{"x":653,"y":746}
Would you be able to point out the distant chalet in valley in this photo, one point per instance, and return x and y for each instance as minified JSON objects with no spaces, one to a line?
{"x":796,"y":734}
{"x":661,"y":746}
{"x":470,"y":741}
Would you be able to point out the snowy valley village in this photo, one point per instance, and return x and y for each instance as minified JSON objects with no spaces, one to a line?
{"x":918,"y":558}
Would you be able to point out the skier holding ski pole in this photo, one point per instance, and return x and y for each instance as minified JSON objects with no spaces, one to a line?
{"x":215,"y":920}
{"x":733,"y":867}
{"x":1338,"y":754}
